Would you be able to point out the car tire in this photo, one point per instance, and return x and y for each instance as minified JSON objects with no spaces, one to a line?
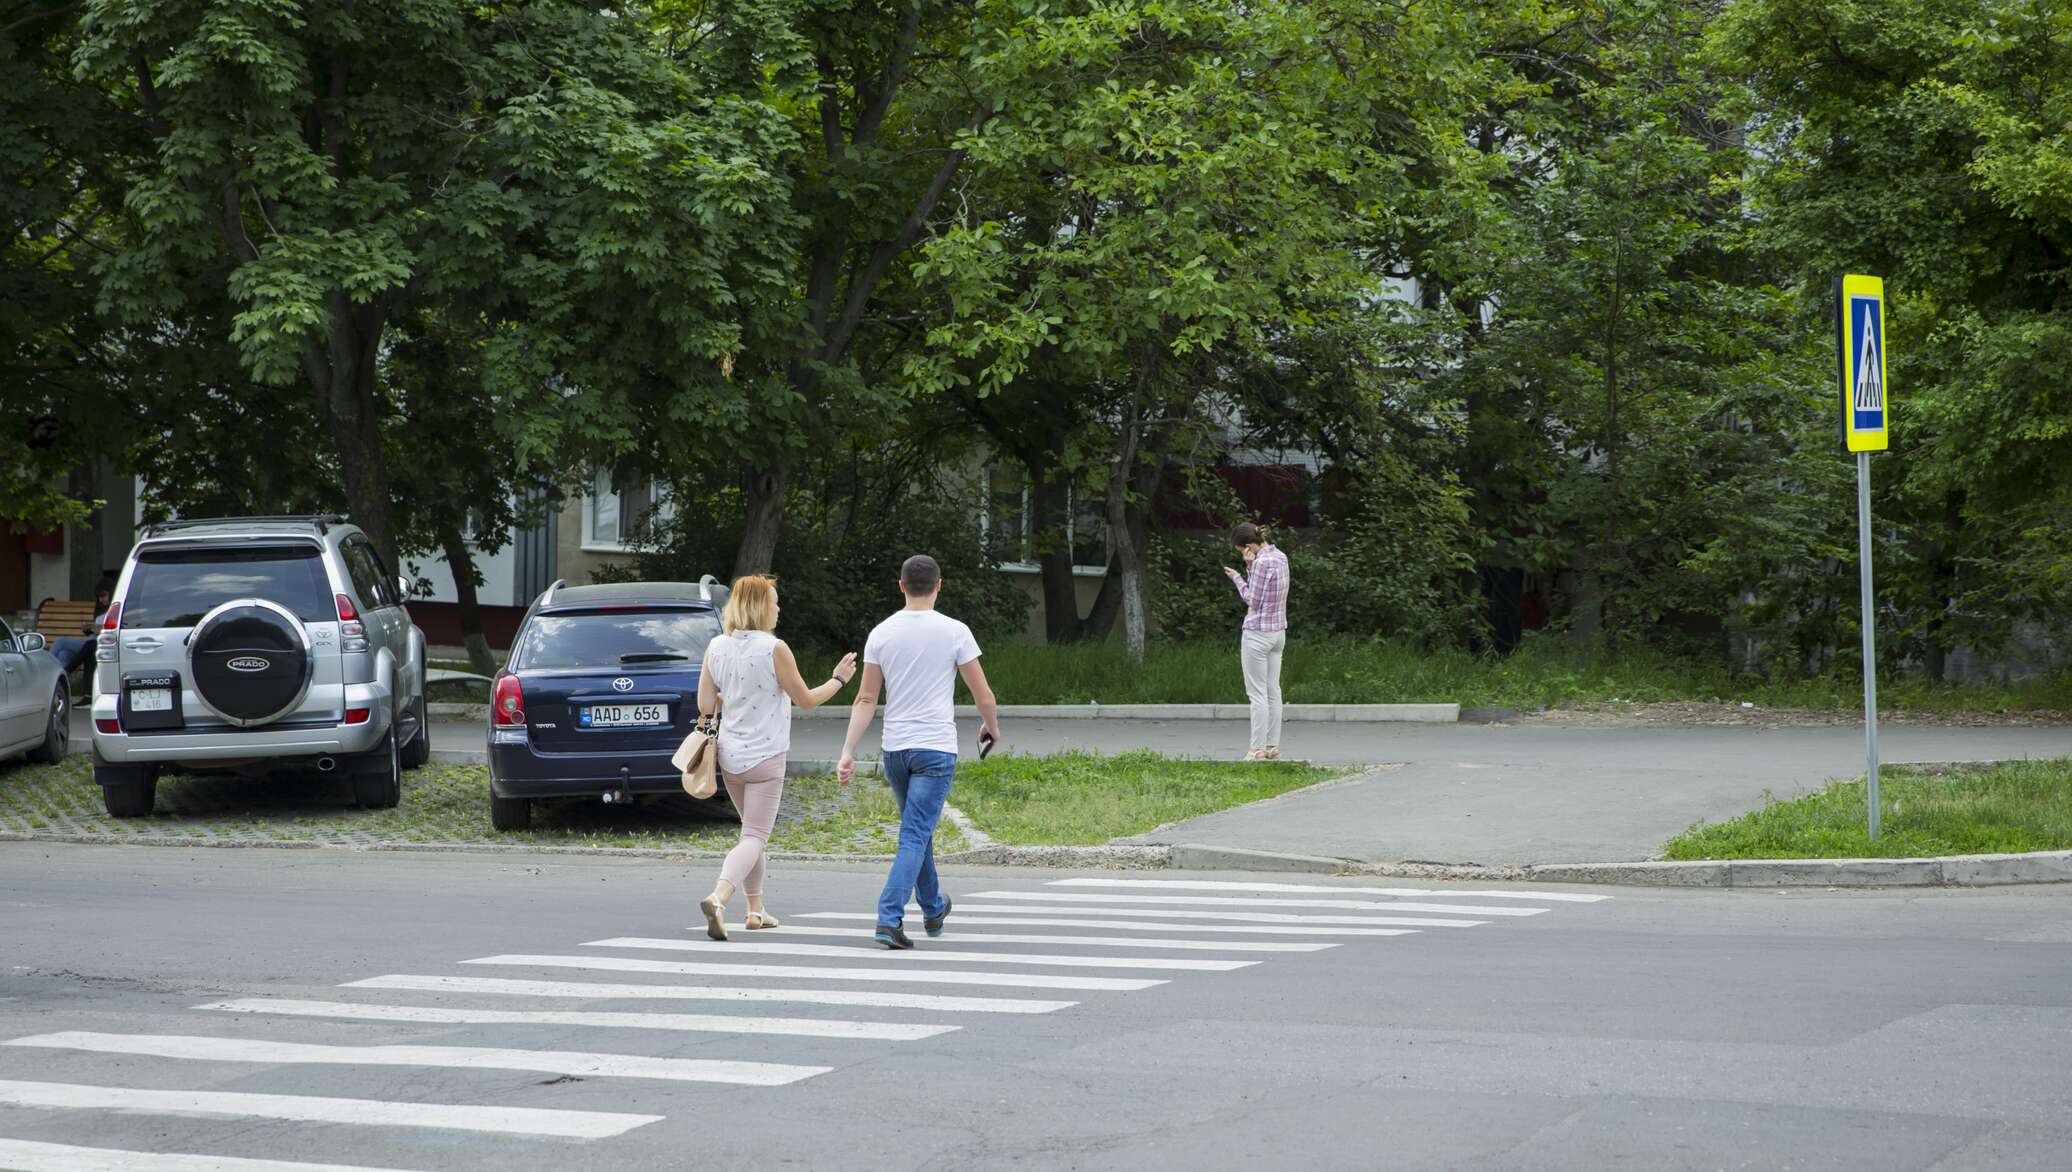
{"x":57,"y":730}
{"x":127,"y":791}
{"x":378,"y":782}
{"x":510,"y":813}
{"x":419,"y":750}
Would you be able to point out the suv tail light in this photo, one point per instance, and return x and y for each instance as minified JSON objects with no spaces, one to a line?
{"x":507,"y":707}
{"x":352,"y":633}
{"x":104,"y":643}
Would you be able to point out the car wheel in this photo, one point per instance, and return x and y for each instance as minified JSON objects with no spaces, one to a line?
{"x":419,"y":750}
{"x":57,"y":732}
{"x":128,"y":791}
{"x":378,"y":783}
{"x":510,"y":813}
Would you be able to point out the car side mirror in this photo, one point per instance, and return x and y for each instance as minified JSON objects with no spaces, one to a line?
{"x":402,"y":587}
{"x":32,"y":641}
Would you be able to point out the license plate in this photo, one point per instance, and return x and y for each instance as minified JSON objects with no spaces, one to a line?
{"x":151,"y":700}
{"x":621,"y":715}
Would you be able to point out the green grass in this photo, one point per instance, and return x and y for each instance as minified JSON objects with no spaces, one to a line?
{"x":1985,"y":809}
{"x":1544,"y":673}
{"x":1087,"y":798}
{"x":443,"y":804}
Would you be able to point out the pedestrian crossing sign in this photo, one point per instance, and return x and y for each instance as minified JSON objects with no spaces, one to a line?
{"x":1860,"y":361}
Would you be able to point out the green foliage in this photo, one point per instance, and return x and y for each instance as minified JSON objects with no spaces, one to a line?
{"x":853,"y":525}
{"x":1983,"y":809}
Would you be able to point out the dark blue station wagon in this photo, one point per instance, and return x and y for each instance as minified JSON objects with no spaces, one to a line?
{"x":600,"y":689}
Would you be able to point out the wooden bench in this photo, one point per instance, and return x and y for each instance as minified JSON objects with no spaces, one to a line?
{"x":56,"y":619}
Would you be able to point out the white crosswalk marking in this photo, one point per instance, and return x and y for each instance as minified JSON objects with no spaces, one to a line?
{"x":580,"y":1065}
{"x":1069,"y":920}
{"x":799,"y":1027}
{"x":1320,"y":889}
{"x":1239,"y":917}
{"x":610,"y":991}
{"x":1235,"y":901}
{"x":895,"y":973}
{"x":23,"y":1155}
{"x":796,"y":929}
{"x":853,"y":952}
{"x":543,"y":1121}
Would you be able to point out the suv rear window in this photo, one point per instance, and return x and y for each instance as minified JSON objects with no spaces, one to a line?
{"x":176,"y":587}
{"x":595,"y":638}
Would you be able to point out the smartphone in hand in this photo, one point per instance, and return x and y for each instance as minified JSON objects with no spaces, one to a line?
{"x":985,"y":743}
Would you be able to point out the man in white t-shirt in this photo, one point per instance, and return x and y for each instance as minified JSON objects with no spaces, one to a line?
{"x":917,"y":656}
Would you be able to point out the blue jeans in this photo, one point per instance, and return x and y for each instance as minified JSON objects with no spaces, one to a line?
{"x":920,"y":781}
{"x":70,"y":653}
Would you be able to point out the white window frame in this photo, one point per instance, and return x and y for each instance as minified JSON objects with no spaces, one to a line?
{"x":664,"y":509}
{"x":985,"y":528}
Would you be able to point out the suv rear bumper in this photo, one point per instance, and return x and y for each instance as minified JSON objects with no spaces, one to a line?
{"x":266,"y":742}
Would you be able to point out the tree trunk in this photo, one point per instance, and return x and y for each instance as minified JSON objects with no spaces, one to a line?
{"x":341,"y":366}
{"x":763,"y":497}
{"x":460,"y":561}
{"x":1129,"y":556}
{"x":1048,"y":501}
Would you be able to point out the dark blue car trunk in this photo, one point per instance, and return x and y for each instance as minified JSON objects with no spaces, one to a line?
{"x":553,"y":697}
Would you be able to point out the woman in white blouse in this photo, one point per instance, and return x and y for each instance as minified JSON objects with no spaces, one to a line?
{"x":751,"y":679}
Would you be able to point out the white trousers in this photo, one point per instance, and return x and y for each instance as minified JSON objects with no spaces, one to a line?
{"x":1260,"y":652}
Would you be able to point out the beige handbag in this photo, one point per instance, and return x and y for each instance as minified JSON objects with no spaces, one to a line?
{"x":698,"y":757}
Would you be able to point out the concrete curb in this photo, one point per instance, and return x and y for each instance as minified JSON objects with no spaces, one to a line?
{"x":1940,"y":871}
{"x":1310,"y":713}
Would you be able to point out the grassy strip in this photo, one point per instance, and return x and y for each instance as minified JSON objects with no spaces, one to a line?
{"x":1088,"y":798}
{"x":442,"y":805}
{"x":1543,"y":673}
{"x":1986,"y":809}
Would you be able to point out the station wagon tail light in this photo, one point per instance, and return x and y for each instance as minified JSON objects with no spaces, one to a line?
{"x":111,"y":727}
{"x":104,"y":643}
{"x":352,"y":633}
{"x":357,"y":715}
{"x":508,"y":706}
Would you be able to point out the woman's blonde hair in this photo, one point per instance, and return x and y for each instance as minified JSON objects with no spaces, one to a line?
{"x":751,"y":605}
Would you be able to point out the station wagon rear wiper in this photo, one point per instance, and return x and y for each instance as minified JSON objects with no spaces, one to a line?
{"x":650,"y":657}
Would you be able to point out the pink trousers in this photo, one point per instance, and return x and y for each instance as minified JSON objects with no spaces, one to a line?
{"x":756,"y":793}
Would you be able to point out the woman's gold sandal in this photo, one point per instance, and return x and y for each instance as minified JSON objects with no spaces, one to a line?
{"x":759,"y":920}
{"x":715,"y":923}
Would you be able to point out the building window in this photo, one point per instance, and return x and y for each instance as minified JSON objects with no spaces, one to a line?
{"x":1008,"y":523}
{"x":616,"y":518}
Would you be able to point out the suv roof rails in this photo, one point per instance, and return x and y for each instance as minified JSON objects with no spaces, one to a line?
{"x":322,"y":522}
{"x":547,"y":595}
{"x":705,"y":585}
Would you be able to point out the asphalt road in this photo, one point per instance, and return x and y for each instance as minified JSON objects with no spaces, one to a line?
{"x":1650,"y":1029}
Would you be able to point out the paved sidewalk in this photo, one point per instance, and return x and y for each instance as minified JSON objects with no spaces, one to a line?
{"x":1506,"y":795}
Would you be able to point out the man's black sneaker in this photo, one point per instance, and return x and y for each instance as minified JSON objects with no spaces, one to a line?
{"x":934,"y":923}
{"x":892,"y":937}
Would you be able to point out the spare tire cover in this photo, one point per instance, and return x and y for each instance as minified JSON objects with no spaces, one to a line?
{"x":251,"y":661}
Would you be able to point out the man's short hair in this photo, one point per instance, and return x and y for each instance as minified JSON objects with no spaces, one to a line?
{"x":1246,"y":534}
{"x":919,"y":575}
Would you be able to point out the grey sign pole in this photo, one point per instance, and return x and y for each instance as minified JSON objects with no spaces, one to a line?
{"x":1870,"y":635}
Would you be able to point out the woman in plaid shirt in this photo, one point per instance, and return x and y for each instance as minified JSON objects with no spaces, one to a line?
{"x":1264,"y":587}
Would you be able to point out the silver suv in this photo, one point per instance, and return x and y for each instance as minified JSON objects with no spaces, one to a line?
{"x":246,"y":641}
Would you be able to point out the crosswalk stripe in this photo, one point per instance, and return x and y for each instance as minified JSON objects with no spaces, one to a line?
{"x":1239,"y":917}
{"x":24,"y":1155}
{"x":610,"y":991}
{"x":1234,"y":901}
{"x":851,"y":952}
{"x":563,"y":1062}
{"x":1319,"y":889}
{"x":546,"y":1121}
{"x":801,"y":1027}
{"x":1067,"y":920}
{"x":895,"y":973}
{"x":797,"y":929}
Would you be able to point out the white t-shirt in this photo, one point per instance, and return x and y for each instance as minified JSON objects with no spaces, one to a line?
{"x":919,"y":652}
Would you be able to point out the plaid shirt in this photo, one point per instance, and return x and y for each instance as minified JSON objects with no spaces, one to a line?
{"x":1265,"y":591}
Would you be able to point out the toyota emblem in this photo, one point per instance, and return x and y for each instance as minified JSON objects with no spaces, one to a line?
{"x":622,"y":684}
